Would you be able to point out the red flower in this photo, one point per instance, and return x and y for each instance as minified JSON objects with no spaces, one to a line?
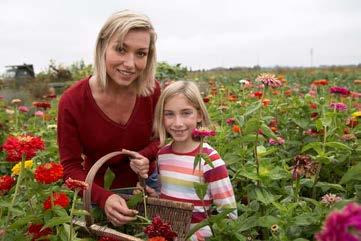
{"x":105,"y":238}
{"x":313,"y":106}
{"x":158,"y":228}
{"x":35,"y":231}
{"x":158,"y":238}
{"x":320,"y":82}
{"x":203,"y":132}
{"x":339,"y":90}
{"x":6,"y":182}
{"x":236,"y":129}
{"x":17,"y":146}
{"x":257,"y":94}
{"x":76,"y":184}
{"x":60,"y":199}
{"x":230,"y":121}
{"x":42,"y":104}
{"x":49,"y":172}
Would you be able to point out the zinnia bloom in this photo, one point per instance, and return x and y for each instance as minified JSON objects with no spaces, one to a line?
{"x":279,"y":141}
{"x":23,"y":109}
{"x":320,"y":82}
{"x":15,"y":101}
{"x":42,"y":104}
{"x":158,"y":238}
{"x":158,"y":228}
{"x":342,"y":225}
{"x":6,"y":182}
{"x":60,"y":199}
{"x":49,"y":172}
{"x":339,"y":90}
{"x":304,"y":166}
{"x":39,"y":113}
{"x":348,"y":137}
{"x":269,"y":80}
{"x":24,"y":145}
{"x":257,"y":94}
{"x":351,"y":122}
{"x":76,"y":184}
{"x":203,"y":132}
{"x":36,"y":231}
{"x":16,"y":169}
{"x":236,"y":129}
{"x":230,"y":121}
{"x":338,"y":106}
{"x":330,"y":199}
{"x":356,"y":114}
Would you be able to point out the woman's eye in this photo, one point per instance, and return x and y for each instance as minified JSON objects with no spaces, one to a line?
{"x":142,"y":54}
{"x":120,"y":50}
{"x":187,"y":113}
{"x":168,"y":114}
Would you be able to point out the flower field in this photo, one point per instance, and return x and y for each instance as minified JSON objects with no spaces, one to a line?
{"x":290,"y":139}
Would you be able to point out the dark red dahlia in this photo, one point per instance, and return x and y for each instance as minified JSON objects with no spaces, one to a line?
{"x":42,"y":104}
{"x":160,"y":229}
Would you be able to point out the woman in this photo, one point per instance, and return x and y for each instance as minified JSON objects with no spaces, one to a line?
{"x":113,"y":110}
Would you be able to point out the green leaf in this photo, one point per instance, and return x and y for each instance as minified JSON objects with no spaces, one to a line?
{"x":268,"y":221}
{"x":252,"y":126}
{"x":268,"y":132}
{"x":326,"y":186}
{"x":262,"y":195}
{"x":22,"y":221}
{"x":108,"y":178}
{"x":317,"y":146}
{"x":252,"y":108}
{"x":352,"y":174}
{"x":338,"y":145}
{"x":133,"y":201}
{"x":261,"y":150}
{"x":250,"y":138}
{"x":201,"y":189}
{"x":207,"y":160}
{"x":196,"y":227}
{"x":81,"y":212}
{"x":55,"y":221}
{"x":326,"y":121}
{"x":197,"y":160}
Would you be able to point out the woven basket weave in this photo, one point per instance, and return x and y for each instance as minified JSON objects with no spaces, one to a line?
{"x":177,"y":214}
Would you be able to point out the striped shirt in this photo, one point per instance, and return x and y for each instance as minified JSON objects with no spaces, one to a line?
{"x":177,"y":178}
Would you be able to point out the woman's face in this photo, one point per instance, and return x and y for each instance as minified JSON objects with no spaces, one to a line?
{"x":125,"y":63}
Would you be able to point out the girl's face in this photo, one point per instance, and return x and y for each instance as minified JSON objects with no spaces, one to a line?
{"x":125,"y":64}
{"x":180,"y":117}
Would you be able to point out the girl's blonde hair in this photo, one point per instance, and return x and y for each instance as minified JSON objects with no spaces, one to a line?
{"x":119,"y":24}
{"x":191,"y":92}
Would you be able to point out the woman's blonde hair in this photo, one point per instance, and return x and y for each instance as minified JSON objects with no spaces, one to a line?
{"x":119,"y":24}
{"x":191,"y":92}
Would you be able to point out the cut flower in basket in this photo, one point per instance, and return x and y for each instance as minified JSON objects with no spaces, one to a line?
{"x":76,"y":184}
{"x":159,"y":228}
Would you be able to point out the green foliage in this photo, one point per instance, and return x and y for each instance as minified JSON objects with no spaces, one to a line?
{"x":167,"y":71}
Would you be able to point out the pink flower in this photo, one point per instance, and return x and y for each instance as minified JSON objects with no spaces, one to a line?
{"x":342,"y":225}
{"x":203,"y":132}
{"x":338,"y":106}
{"x":230,"y":121}
{"x":269,"y":80}
{"x":279,"y":141}
{"x":39,"y":113}
{"x":339,"y":90}
{"x":76,"y":184}
{"x":330,"y":199}
{"x":23,"y":108}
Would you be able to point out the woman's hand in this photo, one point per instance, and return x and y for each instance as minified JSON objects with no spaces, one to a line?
{"x":117,"y":210}
{"x":138,"y":163}
{"x":150,"y":191}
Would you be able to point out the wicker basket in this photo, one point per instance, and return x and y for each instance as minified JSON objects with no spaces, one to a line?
{"x":177,"y":214}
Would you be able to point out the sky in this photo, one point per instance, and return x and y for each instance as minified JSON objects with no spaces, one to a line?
{"x":199,"y":34}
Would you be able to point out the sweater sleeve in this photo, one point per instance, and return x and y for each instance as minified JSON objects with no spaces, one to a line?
{"x":70,"y":149}
{"x":220,"y":185}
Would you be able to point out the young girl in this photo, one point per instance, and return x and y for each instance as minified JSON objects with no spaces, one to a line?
{"x":180,"y":109}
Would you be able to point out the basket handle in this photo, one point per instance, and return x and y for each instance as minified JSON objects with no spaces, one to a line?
{"x":89,"y":179}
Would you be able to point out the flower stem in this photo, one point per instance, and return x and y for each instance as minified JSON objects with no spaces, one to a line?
{"x":15,"y":193}
{"x":72,"y":213}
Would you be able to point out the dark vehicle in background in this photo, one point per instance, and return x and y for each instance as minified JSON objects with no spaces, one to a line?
{"x":18,"y":75}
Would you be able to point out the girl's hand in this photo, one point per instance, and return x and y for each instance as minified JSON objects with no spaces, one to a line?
{"x":117,"y":211}
{"x":150,"y":191}
{"x":138,"y":163}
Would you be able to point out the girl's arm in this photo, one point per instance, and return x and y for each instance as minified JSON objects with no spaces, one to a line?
{"x":220,"y":185}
